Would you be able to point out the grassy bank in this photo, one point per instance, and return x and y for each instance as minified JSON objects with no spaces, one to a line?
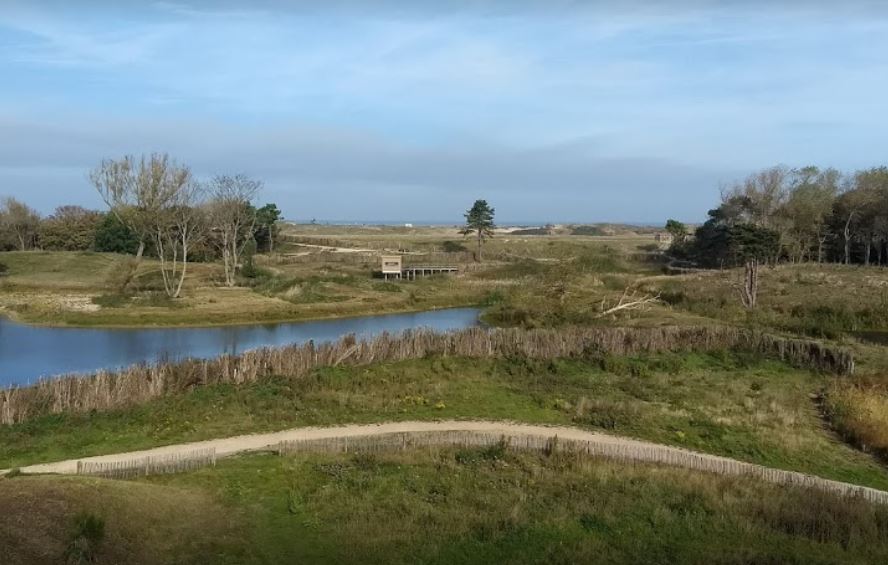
{"x":724,"y":403}
{"x":818,"y":300}
{"x":80,"y":289}
{"x":441,"y":506}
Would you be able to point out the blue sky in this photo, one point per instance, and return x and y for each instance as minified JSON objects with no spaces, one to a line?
{"x":552,"y":111}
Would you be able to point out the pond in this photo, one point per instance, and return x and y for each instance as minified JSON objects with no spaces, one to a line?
{"x":29,"y":352}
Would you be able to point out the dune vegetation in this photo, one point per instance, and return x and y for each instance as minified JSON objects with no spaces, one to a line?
{"x":721,"y":398}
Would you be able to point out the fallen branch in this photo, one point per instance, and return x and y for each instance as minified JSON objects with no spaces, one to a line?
{"x":629,"y":301}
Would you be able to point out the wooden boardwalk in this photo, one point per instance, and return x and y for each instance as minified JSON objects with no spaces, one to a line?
{"x":410,"y":273}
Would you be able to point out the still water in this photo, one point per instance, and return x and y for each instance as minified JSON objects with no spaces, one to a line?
{"x":29,"y":352}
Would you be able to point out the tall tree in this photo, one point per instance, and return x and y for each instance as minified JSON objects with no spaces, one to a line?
{"x":232,"y":218}
{"x":810,"y":201}
{"x":20,"y":221}
{"x":760,"y":195}
{"x":137,"y":192}
{"x":179,"y":225}
{"x":677,"y":230}
{"x":266,"y":230}
{"x":479,"y":221}
{"x":872,"y":185}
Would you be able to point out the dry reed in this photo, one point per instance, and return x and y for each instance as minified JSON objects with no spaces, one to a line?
{"x":604,"y":448}
{"x":106,"y":390}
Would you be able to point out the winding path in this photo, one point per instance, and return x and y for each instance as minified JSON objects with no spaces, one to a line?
{"x":616,"y":447}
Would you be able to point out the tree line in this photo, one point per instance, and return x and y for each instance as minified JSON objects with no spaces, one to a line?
{"x":156,"y":207}
{"x":798,"y":215}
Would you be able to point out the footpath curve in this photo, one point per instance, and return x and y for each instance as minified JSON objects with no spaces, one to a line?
{"x":528,"y":435}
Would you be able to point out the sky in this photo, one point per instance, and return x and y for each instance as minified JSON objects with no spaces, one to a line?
{"x":552,"y":111}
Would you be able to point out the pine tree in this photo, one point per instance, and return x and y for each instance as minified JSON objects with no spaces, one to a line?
{"x":479,"y":221}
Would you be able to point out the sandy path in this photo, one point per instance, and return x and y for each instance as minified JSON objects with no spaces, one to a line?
{"x":260,"y":442}
{"x":614,"y":446}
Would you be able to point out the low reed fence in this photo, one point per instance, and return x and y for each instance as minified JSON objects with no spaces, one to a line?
{"x":372,"y":259}
{"x":604,"y":448}
{"x":151,"y":465}
{"x":106,"y":390}
{"x":362,"y":259}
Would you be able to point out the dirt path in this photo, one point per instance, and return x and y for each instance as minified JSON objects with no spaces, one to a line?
{"x":259,"y":442}
{"x":616,"y":447}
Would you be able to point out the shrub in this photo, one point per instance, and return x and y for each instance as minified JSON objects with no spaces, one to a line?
{"x":387,"y":287}
{"x":3,"y":269}
{"x":586,"y":230}
{"x":121,"y":278}
{"x":113,"y":236}
{"x":87,"y":533}
{"x":531,"y":231}
{"x":70,"y":228}
{"x":453,"y":247}
{"x":470,"y":456}
{"x":493,"y":297}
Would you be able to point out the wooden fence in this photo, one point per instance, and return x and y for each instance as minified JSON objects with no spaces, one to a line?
{"x":604,"y":448}
{"x":151,"y":465}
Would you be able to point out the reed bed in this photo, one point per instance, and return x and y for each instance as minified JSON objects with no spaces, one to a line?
{"x":604,"y":448}
{"x":106,"y":390}
{"x":151,"y":465}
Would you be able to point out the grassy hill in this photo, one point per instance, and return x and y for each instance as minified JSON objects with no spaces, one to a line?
{"x":442,"y":505}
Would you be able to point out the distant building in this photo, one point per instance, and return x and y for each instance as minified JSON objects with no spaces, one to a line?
{"x":408,"y":225}
{"x":391,"y":265}
{"x":663,"y":238}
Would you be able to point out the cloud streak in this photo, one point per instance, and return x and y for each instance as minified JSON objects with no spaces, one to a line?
{"x":561,"y":109}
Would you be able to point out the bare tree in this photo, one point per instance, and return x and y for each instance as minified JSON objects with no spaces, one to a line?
{"x":749,"y":287}
{"x":20,"y":221}
{"x":177,"y":227}
{"x":760,"y":195}
{"x":232,"y":218}
{"x":138,"y":191}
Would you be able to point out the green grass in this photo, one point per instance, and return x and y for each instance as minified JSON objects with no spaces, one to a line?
{"x":437,"y":506}
{"x":48,"y":519}
{"x":728,"y":404}
{"x":484,"y":505}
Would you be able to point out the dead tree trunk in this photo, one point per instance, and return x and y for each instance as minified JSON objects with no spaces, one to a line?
{"x":749,"y":289}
